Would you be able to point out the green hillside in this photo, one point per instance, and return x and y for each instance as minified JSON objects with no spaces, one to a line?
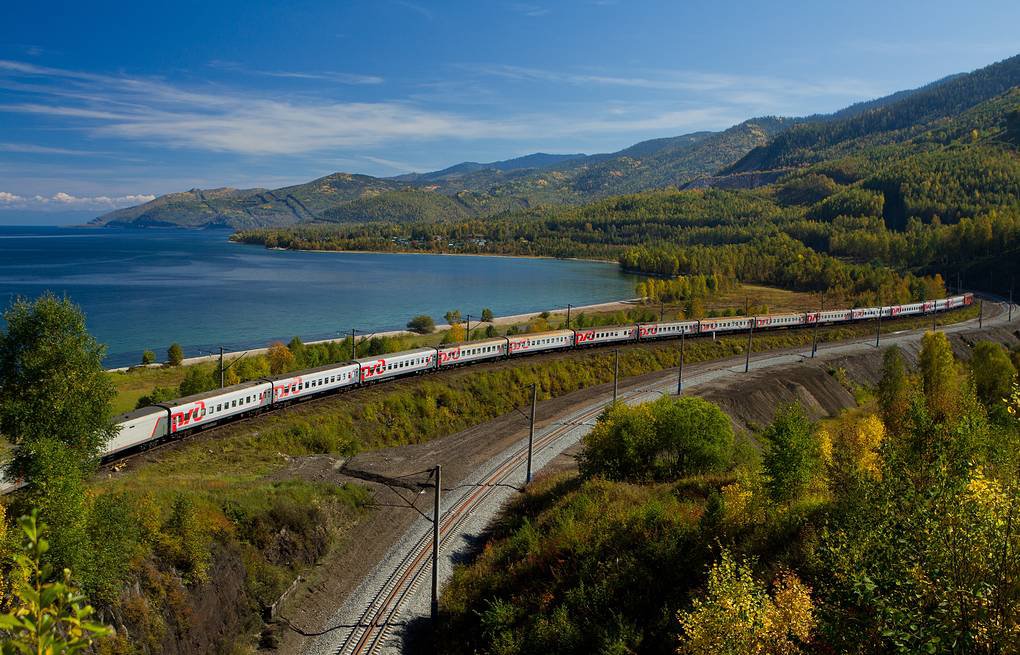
{"x":892,"y":123}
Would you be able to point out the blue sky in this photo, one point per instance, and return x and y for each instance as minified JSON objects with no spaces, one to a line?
{"x":104,"y":104}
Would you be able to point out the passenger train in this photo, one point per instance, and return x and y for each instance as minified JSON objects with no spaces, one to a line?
{"x":153,"y":424}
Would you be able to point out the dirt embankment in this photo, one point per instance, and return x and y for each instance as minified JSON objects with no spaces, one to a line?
{"x":822,"y":386}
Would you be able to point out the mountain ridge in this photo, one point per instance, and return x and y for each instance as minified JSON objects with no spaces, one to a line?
{"x":470,"y":189}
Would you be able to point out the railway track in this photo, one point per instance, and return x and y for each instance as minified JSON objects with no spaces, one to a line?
{"x":371,"y":631}
{"x":375,"y":624}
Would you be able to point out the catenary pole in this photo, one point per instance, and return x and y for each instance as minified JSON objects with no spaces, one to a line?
{"x":467,"y":332}
{"x":981,"y":313}
{"x":354,"y":342}
{"x":878,"y":330}
{"x":435,"y":543}
{"x":750,"y":334}
{"x":531,"y":430}
{"x":568,"y":315}
{"x":221,"y":367}
{"x":680,"y":378}
{"x":616,"y":376}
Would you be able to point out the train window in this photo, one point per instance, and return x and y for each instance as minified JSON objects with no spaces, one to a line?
{"x":219,"y":407}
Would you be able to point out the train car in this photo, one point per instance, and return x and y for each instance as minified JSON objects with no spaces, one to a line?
{"x":780,"y":320}
{"x":707,"y":325}
{"x":910,"y":309}
{"x":214,"y":406}
{"x":523,"y":344}
{"x":955,"y":302}
{"x":609,"y":334}
{"x":834,"y":316}
{"x":663,"y":330}
{"x":138,"y":427}
{"x":392,"y":365}
{"x":968,"y":299}
{"x":863,"y":313}
{"x":289,"y":386}
{"x":466,"y":353}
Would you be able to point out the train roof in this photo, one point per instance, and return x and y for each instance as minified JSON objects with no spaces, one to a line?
{"x":478,"y":342}
{"x":548,"y":333}
{"x":402,"y":353}
{"x":310,"y":371}
{"x":205,"y":395}
{"x":138,"y":413}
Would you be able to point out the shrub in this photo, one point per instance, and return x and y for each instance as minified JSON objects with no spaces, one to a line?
{"x":792,"y":454}
{"x":174,"y":354}
{"x":422,"y":324}
{"x":148,"y":357}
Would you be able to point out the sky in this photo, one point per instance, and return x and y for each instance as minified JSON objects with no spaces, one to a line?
{"x":108,"y":104}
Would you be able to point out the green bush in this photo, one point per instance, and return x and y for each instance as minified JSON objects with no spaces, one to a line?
{"x":667,"y":439}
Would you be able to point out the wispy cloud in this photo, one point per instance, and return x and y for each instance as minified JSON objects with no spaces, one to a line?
{"x":737,"y":88}
{"x":527,"y":9}
{"x":416,"y":8}
{"x":223,"y":120}
{"x":61,"y":200}
{"x":327,"y":76}
{"x":32,"y":149}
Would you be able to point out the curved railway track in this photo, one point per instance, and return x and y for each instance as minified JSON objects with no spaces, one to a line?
{"x":376,"y":622}
{"x":373,"y":627}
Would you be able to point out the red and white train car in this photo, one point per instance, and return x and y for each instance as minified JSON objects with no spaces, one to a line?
{"x":466,"y":353}
{"x":728,"y":324}
{"x":608,"y":334}
{"x":665,"y":330}
{"x":522,"y":344}
{"x":394,"y":365}
{"x":138,"y":427}
{"x":779,"y":320}
{"x":214,"y":406}
{"x":317,"y":380}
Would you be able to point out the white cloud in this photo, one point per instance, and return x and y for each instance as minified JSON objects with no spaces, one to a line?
{"x":62,"y":200}
{"x":530,"y":10}
{"x":329,"y":76}
{"x":32,"y":149}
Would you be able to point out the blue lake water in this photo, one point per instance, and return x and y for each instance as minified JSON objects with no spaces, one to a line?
{"x":148,"y":288}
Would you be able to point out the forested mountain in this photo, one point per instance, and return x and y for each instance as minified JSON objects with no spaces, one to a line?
{"x":889,"y":123}
{"x":535,"y":160}
{"x":848,"y":146}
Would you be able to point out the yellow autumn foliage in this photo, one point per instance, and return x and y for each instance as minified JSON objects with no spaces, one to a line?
{"x":738,"y":617}
{"x":856,"y":441}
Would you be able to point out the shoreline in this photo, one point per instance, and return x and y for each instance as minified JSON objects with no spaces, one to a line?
{"x":437,"y":254}
{"x":497,"y":320}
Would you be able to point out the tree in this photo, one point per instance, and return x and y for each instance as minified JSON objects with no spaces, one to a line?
{"x":174,"y":354}
{"x":157,"y":395}
{"x":487,"y":315}
{"x":856,"y":442}
{"x":792,"y":453}
{"x":281,"y":359}
{"x":52,"y":384}
{"x":894,"y":390}
{"x":148,"y":357}
{"x":197,"y":379}
{"x":452,"y":316}
{"x":694,"y":436}
{"x":938,"y":375}
{"x":993,"y":373}
{"x":737,"y":616}
{"x":490,"y":330}
{"x":621,"y":445}
{"x":47,"y":616}
{"x":297,"y":348}
{"x":422,"y":324}
{"x":455,"y":334}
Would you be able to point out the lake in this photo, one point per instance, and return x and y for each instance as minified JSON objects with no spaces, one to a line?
{"x":144,"y":289}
